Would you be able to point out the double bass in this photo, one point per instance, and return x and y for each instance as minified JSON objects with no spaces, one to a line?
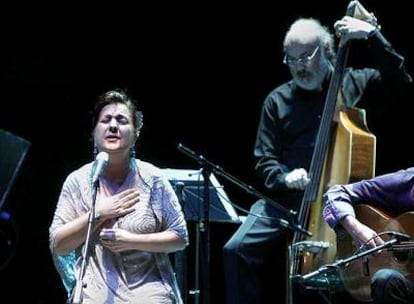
{"x":344,"y":151}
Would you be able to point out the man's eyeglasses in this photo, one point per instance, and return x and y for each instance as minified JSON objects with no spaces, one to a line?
{"x":304,"y":59}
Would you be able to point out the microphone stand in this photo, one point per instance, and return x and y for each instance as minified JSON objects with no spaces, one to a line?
{"x":76,"y":297}
{"x":206,"y":171}
{"x":343,"y":262}
{"x":288,"y":222}
{"x":207,"y":168}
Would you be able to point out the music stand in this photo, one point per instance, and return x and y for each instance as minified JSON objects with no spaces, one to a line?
{"x":221,"y":209}
{"x":189,"y":186}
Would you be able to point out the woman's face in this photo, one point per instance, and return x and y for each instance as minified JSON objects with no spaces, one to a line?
{"x":114,"y":131}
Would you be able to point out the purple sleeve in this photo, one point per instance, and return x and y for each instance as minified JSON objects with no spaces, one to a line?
{"x":393,"y":192}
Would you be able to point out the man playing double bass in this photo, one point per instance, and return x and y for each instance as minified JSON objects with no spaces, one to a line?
{"x":285,"y":142}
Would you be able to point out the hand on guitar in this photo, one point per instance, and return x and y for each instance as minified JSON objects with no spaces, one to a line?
{"x":362,"y":235}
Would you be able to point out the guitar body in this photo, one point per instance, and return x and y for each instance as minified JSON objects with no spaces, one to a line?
{"x":355,"y":281}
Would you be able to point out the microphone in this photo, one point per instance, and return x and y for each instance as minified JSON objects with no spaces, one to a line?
{"x":399,"y":236}
{"x":101,"y":161}
{"x":312,"y":246}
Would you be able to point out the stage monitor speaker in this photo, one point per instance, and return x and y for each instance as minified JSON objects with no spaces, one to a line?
{"x":13,"y":151}
{"x":192,"y":196}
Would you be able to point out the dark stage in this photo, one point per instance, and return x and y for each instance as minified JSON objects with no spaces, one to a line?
{"x":200,"y":75}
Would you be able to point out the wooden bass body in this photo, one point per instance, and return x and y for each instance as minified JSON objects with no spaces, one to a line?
{"x":350,"y":157}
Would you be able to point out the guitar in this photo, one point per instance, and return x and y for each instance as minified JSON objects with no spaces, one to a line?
{"x":356,"y":276}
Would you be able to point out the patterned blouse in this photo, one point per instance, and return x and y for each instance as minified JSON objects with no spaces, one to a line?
{"x":131,"y":276}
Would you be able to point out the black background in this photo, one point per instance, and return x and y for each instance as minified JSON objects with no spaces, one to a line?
{"x":199,"y":73}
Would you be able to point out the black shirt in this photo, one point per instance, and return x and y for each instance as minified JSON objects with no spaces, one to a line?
{"x":290,"y":116}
